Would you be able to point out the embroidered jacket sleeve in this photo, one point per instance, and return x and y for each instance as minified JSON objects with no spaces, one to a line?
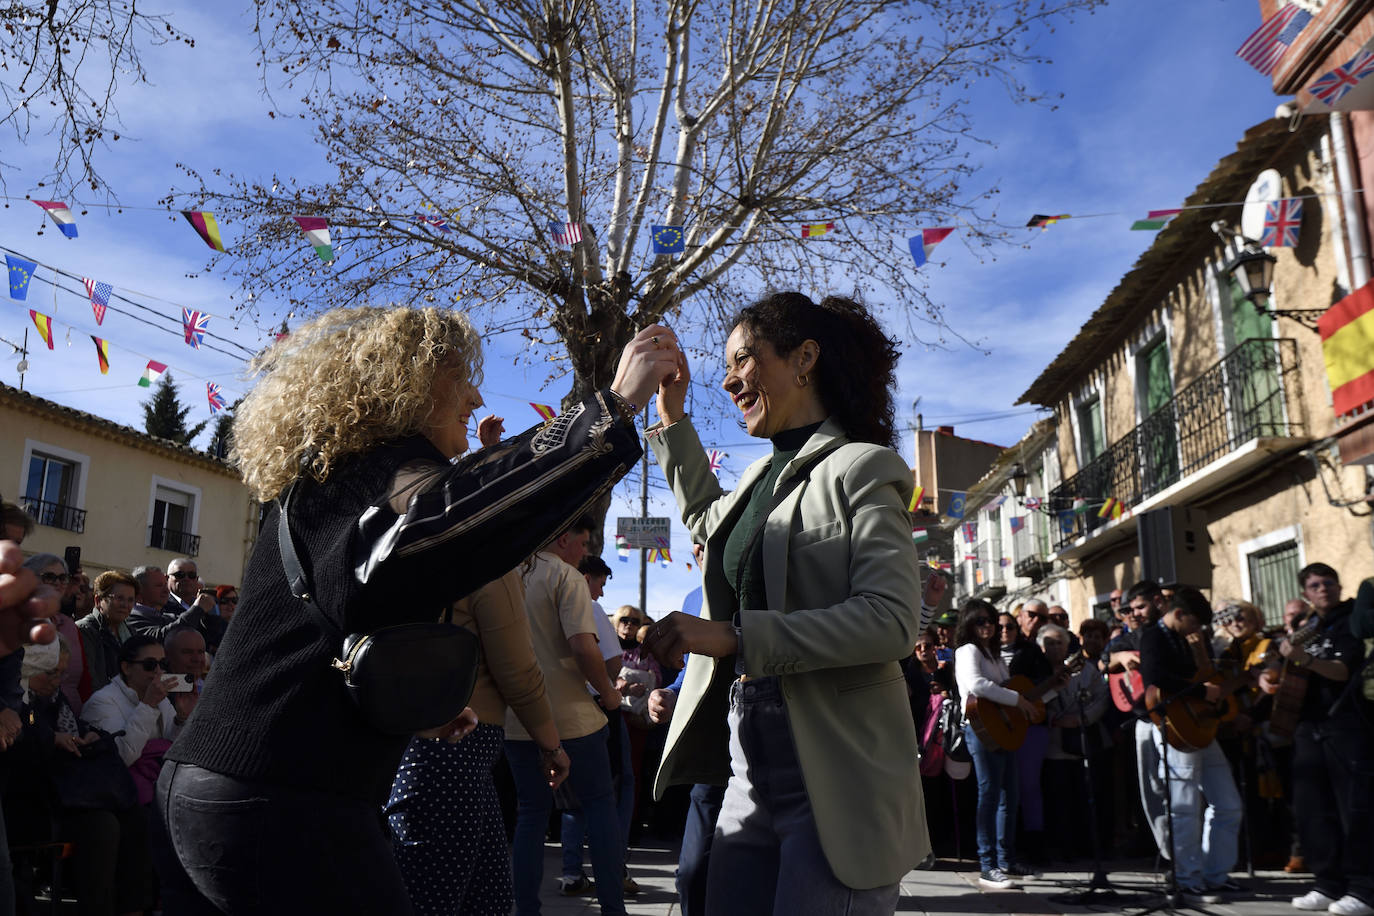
{"x":484,"y":514}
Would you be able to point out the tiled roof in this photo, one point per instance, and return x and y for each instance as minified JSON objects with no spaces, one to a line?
{"x":1177,"y":249}
{"x":79,"y":419}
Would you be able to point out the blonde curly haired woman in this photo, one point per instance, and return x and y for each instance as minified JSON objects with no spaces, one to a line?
{"x":271,"y":796}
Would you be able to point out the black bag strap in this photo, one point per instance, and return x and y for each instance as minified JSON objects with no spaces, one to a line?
{"x":296,"y":577}
{"x":803,"y":471}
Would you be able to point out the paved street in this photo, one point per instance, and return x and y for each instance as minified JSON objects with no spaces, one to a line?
{"x":950,"y":889}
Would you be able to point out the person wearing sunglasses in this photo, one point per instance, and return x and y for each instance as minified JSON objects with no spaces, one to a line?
{"x":980,"y":672}
{"x":52,"y":570}
{"x":227,"y":600}
{"x":137,"y":702}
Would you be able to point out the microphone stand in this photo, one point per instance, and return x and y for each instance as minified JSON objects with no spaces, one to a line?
{"x":1099,"y":889}
{"x":1173,"y":897}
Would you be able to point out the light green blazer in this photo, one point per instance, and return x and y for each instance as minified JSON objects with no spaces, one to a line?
{"x":844,"y":599}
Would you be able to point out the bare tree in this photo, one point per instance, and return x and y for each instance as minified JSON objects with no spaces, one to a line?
{"x":60,"y":67}
{"x":741,"y":120}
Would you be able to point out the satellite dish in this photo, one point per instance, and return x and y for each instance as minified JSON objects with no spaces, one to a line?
{"x":1268,"y":187}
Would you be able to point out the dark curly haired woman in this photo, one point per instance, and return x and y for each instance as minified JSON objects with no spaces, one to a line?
{"x":812,"y":595}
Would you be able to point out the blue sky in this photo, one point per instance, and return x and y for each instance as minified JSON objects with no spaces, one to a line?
{"x":1153,"y":97}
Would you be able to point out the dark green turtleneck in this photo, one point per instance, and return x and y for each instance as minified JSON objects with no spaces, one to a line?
{"x":786,"y":445}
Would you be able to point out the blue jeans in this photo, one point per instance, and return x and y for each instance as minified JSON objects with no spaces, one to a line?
{"x":767,"y":830}
{"x":1207,"y":811}
{"x":695,"y":856}
{"x":591,"y":780}
{"x":574,"y":830}
{"x":997,"y":799}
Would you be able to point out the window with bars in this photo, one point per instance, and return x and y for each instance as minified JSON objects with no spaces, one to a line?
{"x":1274,"y":579}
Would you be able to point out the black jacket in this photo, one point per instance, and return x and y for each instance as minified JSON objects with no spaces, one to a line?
{"x":273,"y":709}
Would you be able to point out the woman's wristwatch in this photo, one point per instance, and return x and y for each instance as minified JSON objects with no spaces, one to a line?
{"x":552,"y":753}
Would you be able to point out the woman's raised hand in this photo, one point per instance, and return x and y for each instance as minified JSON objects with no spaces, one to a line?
{"x":646,"y":362}
{"x":672,"y":392}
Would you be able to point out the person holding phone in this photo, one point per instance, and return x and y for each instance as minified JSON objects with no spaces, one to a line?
{"x":139,"y":703}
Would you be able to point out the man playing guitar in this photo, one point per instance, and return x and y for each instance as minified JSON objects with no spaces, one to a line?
{"x":1143,"y":606}
{"x":1204,"y":842}
{"x":1333,"y":759}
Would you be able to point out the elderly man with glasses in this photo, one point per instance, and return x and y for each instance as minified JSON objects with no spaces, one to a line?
{"x":174,"y":600}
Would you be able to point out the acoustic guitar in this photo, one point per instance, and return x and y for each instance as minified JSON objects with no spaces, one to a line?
{"x":1283,"y":720}
{"x":1127,"y":688}
{"x":1005,"y":726}
{"x":1190,"y":721}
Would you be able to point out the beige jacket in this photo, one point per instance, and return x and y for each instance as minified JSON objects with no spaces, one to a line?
{"x":844,"y":596}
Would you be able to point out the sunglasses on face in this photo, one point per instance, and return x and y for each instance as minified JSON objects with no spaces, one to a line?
{"x":55,"y":578}
{"x":229,"y":600}
{"x":151,"y":664}
{"x":183,"y":574}
{"x":631,"y":621}
{"x":1314,"y":584}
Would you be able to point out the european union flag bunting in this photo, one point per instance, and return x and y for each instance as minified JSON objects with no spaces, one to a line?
{"x":668,"y":239}
{"x":21,"y":272}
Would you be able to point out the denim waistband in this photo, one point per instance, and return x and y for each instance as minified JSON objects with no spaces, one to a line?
{"x":755,"y":690}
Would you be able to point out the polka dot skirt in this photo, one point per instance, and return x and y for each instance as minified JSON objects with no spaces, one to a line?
{"x":449,"y":840}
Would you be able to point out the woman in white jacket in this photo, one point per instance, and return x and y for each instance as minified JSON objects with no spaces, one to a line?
{"x":980,"y":673}
{"x":136,"y":703}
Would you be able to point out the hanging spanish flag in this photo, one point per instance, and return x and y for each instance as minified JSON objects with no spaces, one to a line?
{"x":1111,"y":508}
{"x":44,"y":325}
{"x":102,"y":353}
{"x":1042,"y":222}
{"x":1347,"y":332}
{"x":816,"y":230}
{"x":203,"y":221}
{"x":916,"y":495}
{"x":544,"y":410}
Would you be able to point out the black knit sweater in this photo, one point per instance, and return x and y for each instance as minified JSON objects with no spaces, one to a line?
{"x":273,"y":709}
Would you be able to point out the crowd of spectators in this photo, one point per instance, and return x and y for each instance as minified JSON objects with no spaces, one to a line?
{"x":85,"y":719}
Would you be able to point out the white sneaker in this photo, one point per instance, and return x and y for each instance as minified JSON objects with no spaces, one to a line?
{"x":1351,"y":906}
{"x":1314,"y":901}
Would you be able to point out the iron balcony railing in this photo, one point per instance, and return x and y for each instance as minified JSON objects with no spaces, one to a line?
{"x":182,"y":542}
{"x":1252,"y":393}
{"x":55,"y":515}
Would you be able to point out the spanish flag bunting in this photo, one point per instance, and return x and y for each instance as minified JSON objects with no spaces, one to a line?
{"x":44,"y":325}
{"x":915,"y":502}
{"x":1111,"y":508}
{"x":544,"y":410}
{"x":816,"y":230}
{"x":203,"y":221}
{"x":102,"y":353}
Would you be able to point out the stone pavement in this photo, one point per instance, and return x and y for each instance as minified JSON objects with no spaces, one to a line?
{"x":952,"y":888}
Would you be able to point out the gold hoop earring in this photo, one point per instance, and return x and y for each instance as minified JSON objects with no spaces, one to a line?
{"x":802,"y":380}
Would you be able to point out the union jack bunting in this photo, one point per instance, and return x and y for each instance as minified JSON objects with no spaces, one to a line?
{"x":1282,"y":222}
{"x":713,"y":456}
{"x":194,"y":324}
{"x":216,"y":399}
{"x":970,"y":532}
{"x":100,"y":297}
{"x":1331,"y":87}
{"x":565,"y":233}
{"x":438,"y":222}
{"x":1033,"y":502}
{"x":1018,"y":522}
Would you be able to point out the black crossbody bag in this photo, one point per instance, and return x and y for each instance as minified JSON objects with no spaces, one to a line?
{"x":403,"y":679}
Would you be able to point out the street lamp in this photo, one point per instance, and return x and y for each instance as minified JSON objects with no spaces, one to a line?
{"x":1018,"y":479}
{"x":1252,"y":269}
